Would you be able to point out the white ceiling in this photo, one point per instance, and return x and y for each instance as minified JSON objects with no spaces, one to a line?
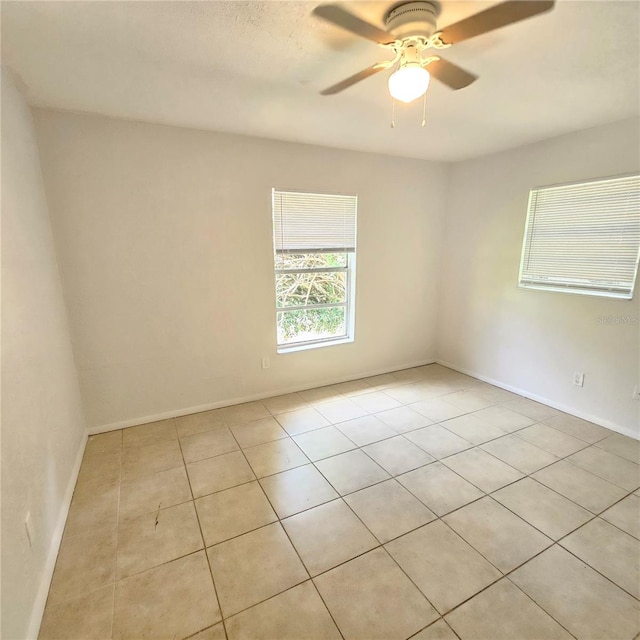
{"x":256,"y":68}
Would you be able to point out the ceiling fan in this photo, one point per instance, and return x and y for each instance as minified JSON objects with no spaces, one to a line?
{"x":412,"y":30}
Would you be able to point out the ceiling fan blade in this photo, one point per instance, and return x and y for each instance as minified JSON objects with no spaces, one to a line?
{"x":450,"y":74}
{"x":357,"y":77}
{"x":493,"y":18}
{"x":342,"y":18}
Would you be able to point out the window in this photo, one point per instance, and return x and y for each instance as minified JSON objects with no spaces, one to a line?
{"x":314,"y":241}
{"x":583,"y":238}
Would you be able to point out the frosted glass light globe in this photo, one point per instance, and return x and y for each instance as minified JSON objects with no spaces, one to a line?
{"x":409,"y":82}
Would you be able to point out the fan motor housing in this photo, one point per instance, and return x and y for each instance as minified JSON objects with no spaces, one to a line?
{"x":413,"y":19}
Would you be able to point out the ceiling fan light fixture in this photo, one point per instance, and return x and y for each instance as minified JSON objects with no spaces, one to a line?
{"x":409,"y":82}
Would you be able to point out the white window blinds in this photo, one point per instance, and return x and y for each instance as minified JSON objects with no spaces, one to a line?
{"x":313,"y":222}
{"x":583,"y":238}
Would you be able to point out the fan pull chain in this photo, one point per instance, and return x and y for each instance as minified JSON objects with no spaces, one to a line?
{"x":393,"y":113}
{"x":424,"y":110}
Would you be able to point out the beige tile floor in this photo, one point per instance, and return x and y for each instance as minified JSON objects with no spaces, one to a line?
{"x":419,"y":504}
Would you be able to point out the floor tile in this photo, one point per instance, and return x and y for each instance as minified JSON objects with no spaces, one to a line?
{"x":438,"y":441}
{"x":351,"y":471}
{"x":246,"y":412}
{"x":101,"y":443}
{"x":292,"y":615}
{"x":503,"y":612}
{"x":301,"y":421}
{"x":439,"y":630}
{"x":87,"y":490}
{"x":288,"y":402}
{"x":366,"y":430}
{"x":495,"y":394}
{"x":97,"y":510}
{"x":500,"y":536}
{"x":328,"y":535}
{"x":353,"y":388}
{"x":100,"y":469}
{"x":174,"y":600}
{"x":370,"y":598}
{"x":376,"y":401}
{"x":216,"y":632}
{"x":437,"y":409}
{"x":519,"y":453}
{"x":408,"y":392}
{"x":86,"y":561}
{"x":413,"y":374}
{"x":322,"y":443}
{"x":232,"y":512}
{"x":468,"y":400}
{"x":614,"y":553}
{"x":403,"y":419}
{"x":578,"y":428}
{"x":257,"y":432}
{"x":254,"y":567}
{"x":543,"y":508}
{"x":581,"y":600}
{"x":297,"y":490}
{"x":534,"y":410}
{"x":320,"y":395}
{"x":388,"y":510}
{"x":433,"y":388}
{"x":439,"y":488}
{"x":341,"y":410}
{"x":610,"y":467}
{"x":199,"y":422}
{"x":625,"y":515}
{"x":151,"y":458}
{"x":155,"y":538}
{"x":551,"y":440}
{"x":208,"y":444}
{"x":397,"y":455}
{"x":482,"y":470}
{"x":472,"y":429}
{"x":357,"y":433}
{"x":221,"y":472}
{"x":87,"y":617}
{"x":622,"y":446}
{"x":504,"y":418}
{"x":146,"y":434}
{"x":587,"y":490}
{"x":273,"y":457}
{"x":445,"y":568}
{"x":382,"y":381}
{"x":152,"y":492}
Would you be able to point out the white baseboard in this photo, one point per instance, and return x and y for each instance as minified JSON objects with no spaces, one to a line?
{"x":47,"y":573}
{"x":603,"y":422}
{"x":132,"y":422}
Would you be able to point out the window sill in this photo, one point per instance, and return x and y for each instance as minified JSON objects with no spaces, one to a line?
{"x":314,"y":345}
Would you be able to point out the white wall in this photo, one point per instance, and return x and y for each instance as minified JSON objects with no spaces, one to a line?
{"x":164,"y":241}
{"x":42,"y":422}
{"x":527,"y":339}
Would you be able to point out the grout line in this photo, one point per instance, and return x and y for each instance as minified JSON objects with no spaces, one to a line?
{"x":204,"y":547}
{"x":279,"y":521}
{"x":115,"y":568}
{"x":391,"y":476}
{"x":537,"y":605}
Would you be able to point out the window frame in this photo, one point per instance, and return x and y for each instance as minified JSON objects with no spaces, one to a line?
{"x":571,"y":287}
{"x":348,"y":304}
{"x":350,"y":284}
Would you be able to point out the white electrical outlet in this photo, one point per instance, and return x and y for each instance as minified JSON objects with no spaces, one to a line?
{"x":265,"y":363}
{"x":578,"y":379}
{"x":28,"y":525}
